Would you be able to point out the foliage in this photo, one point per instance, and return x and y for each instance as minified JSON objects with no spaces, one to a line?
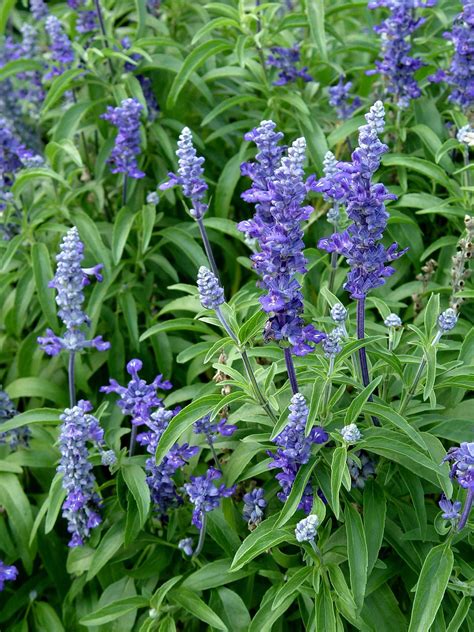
{"x":369,"y":456}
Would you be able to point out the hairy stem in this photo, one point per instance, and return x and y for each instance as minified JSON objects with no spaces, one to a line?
{"x":71,"y":379}
{"x":364,"y":369}
{"x":103,"y":31}
{"x":467,"y":509}
{"x":290,"y":368}
{"x":412,"y":390}
{"x":202,"y":535}
{"x":208,"y":248}
{"x":124,"y":190}
{"x":133,"y":440}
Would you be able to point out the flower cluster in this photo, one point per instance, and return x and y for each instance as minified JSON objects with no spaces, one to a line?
{"x":138,"y":398}
{"x":360,"y":474}
{"x":82,"y":504}
{"x":210,"y":429}
{"x":465,"y":135}
{"x":38,"y":9}
{"x":462,"y":470}
{"x":451,"y":510}
{"x":340,"y":99}
{"x":447,"y":320}
{"x":460,"y":75}
{"x":365,"y":204}
{"x":7,"y":574}
{"x":190,"y":174}
{"x":392,"y":321}
{"x":69,"y":282}
{"x":279,"y":189}
{"x":18,"y":436}
{"x":211,"y":294}
{"x":159,"y":477}
{"x":204,"y":495}
{"x":61,"y":49}
{"x":294,"y":450}
{"x":460,"y":269}
{"x":145,"y":82}
{"x":306,"y":529}
{"x":286,"y":60}
{"x":396,"y":31}
{"x":126,"y":118}
{"x":350,"y":433}
{"x":332,"y":343}
{"x":254,"y":505}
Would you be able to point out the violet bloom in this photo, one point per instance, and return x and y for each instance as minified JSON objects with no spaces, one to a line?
{"x":210,"y":291}
{"x":451,"y":511}
{"x":460,"y":75}
{"x":341,"y":100}
{"x":7,"y":574}
{"x":82,"y":504}
{"x":38,"y":9}
{"x":17,"y":437}
{"x":365,"y":203}
{"x":162,"y":487}
{"x":254,"y":505}
{"x":294,"y":450}
{"x":86,"y":21}
{"x":279,"y":193}
{"x":397,"y":66}
{"x":137,"y":398}
{"x":360,"y":474}
{"x":69,"y":282}
{"x":286,"y":60}
{"x":61,"y":49}
{"x":190,"y":175}
{"x":211,"y":430}
{"x":462,"y":470}
{"x":204,"y":495}
{"x":126,"y":118}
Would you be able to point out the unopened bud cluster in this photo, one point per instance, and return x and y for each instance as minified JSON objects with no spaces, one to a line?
{"x":460,"y":270}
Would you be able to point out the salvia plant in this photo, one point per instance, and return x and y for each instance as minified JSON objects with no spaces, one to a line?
{"x":236,"y":326}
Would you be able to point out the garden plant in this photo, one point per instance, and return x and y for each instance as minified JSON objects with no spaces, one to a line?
{"x":236,"y":316}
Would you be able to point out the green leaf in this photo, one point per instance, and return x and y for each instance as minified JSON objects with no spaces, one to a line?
{"x":43,"y":274}
{"x":234,"y":611}
{"x":424,"y":167}
{"x":34,"y":174}
{"x":37,"y":387}
{"x":20,"y":518}
{"x":198,"y":609}
{"x":182,"y":421}
{"x":431,"y":587}
{"x":325,"y":618}
{"x":30,"y":417}
{"x":192,"y":62}
{"x":46,"y":619}
{"x":265,"y":536}
{"x":5,"y":9}
{"x":357,"y":553}
{"x":135,"y":479}
{"x":297,"y":489}
{"x":142,"y":16}
{"x":461,"y":613}
{"x":291,"y":586}
{"x":223,"y":106}
{"x":375,"y":509}
{"x":431,"y":313}
{"x":177,"y":324}
{"x":384,"y":412}
{"x":56,"y":497}
{"x":159,"y":594}
{"x":114,"y":610}
{"x":122,"y":226}
{"x":359,"y":402}
{"x":315,"y":12}
{"x":17,"y":66}
{"x":252,"y":327}
{"x":338,"y":467}
{"x":213,"y":575}
{"x":90,"y":235}
{"x":226,"y":184}
{"x":266,"y":616}
{"x":60,"y":85}
{"x":109,"y":545}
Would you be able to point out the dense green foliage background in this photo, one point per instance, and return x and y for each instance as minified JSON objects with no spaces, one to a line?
{"x":389,"y":562}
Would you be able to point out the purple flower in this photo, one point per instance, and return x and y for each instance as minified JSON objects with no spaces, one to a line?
{"x":126,"y":118}
{"x":86,"y":21}
{"x":307,"y":528}
{"x":396,"y":31}
{"x":460,"y":75}
{"x":360,"y":475}
{"x":38,"y":9}
{"x":18,"y":436}
{"x":285,"y":59}
{"x":451,"y":511}
{"x":69,"y":281}
{"x":279,"y":190}
{"x":211,"y":293}
{"x":186,"y":545}
{"x":339,"y":98}
{"x":254,"y":504}
{"x":82,"y":504}
{"x":7,"y":574}
{"x":61,"y":49}
{"x":204,"y":495}
{"x":462,"y":470}
{"x":189,"y":176}
{"x":447,"y":320}
{"x":210,"y":429}
{"x":365,"y":204}
{"x":137,"y":398}
{"x":294,"y":450}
